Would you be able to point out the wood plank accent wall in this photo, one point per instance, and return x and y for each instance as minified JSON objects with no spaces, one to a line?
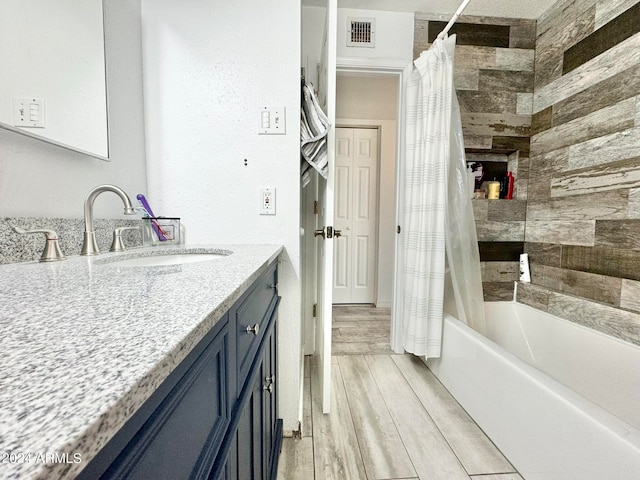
{"x":494,"y":77}
{"x":500,"y":228}
{"x":494,"y":81}
{"x":582,"y":228}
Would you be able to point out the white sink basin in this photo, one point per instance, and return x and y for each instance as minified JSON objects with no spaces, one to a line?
{"x":163,"y":258}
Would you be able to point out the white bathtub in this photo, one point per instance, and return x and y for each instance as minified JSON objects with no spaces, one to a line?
{"x":576,"y":415}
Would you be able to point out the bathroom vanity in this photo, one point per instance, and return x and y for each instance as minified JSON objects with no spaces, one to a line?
{"x":164,"y":371}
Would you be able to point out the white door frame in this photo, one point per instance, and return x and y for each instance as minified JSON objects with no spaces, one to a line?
{"x":402,"y":70}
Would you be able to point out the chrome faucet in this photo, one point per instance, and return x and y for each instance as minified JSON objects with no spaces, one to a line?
{"x":89,"y":246}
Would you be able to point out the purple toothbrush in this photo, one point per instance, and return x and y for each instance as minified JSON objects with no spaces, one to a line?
{"x":154,"y":224}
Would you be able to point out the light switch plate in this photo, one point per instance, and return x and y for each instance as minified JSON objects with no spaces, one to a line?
{"x":28,"y":112}
{"x":271,"y":121}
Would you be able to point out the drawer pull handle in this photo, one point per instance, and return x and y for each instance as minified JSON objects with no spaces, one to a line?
{"x":269,"y":381}
{"x":253,"y":329}
{"x":274,"y":286}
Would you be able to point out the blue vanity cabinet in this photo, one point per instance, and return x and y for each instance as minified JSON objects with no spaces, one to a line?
{"x":178,"y":430}
{"x":251,"y":315}
{"x":248,"y":436}
{"x":257,"y":441}
{"x":272,"y":425}
{"x":252,"y":446}
{"x":215,"y":416}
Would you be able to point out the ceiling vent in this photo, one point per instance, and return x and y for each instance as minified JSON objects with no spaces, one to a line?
{"x":361,"y":32}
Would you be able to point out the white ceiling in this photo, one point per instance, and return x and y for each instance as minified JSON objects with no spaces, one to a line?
{"x":532,"y":9}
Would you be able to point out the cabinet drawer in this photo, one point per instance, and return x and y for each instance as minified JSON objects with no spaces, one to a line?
{"x":250,"y":316}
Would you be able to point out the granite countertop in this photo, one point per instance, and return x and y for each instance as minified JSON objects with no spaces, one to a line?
{"x":85,"y":343}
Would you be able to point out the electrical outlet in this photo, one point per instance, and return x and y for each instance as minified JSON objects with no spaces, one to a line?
{"x":267,"y":201}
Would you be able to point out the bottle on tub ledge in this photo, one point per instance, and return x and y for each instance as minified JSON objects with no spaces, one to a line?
{"x":493,"y":190}
{"x":525,"y":273}
{"x":506,"y":186}
{"x":510,"y":184}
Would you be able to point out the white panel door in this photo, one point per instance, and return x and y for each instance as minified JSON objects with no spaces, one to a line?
{"x":327,"y":96}
{"x":355,"y":215}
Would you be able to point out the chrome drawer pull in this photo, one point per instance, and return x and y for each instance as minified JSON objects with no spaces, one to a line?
{"x":268,"y":386}
{"x":253,"y":329}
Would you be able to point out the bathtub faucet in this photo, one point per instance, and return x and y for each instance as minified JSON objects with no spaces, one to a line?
{"x":89,"y":246}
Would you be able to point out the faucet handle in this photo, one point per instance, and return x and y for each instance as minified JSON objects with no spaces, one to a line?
{"x":52,"y":251}
{"x":117,"y":245}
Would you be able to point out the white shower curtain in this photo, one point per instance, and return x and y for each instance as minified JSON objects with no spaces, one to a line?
{"x":438,"y":217}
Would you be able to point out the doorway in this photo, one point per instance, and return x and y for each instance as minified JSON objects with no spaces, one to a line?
{"x":368,"y":101}
{"x":356,"y":215}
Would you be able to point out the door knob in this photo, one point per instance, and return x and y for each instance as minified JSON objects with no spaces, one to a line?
{"x":319,"y":232}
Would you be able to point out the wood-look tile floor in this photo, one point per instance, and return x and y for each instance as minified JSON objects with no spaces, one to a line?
{"x":390,"y":417}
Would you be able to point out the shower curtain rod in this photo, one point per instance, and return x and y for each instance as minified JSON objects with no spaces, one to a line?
{"x":453,"y":19}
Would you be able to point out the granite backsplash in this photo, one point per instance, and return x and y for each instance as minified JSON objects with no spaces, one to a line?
{"x":15,"y":247}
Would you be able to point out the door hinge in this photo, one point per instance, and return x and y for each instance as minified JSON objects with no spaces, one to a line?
{"x":316,"y":208}
{"x":314,"y":312}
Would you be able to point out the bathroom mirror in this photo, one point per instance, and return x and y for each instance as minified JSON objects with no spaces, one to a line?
{"x":53,"y":75}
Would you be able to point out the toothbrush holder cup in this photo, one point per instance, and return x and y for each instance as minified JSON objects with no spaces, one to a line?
{"x":160,"y":231}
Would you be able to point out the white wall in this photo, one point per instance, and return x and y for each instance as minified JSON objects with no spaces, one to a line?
{"x":368,"y":96}
{"x":393,"y":35}
{"x":209,"y":69}
{"x":394,"y":38}
{"x":41,"y":180}
{"x":372,"y":101}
